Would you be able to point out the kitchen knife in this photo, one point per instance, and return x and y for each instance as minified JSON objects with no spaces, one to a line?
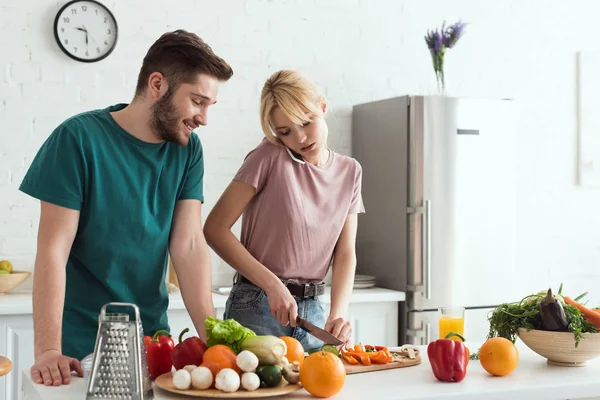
{"x":317,"y":332}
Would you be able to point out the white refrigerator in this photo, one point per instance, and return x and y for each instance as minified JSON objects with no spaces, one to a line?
{"x":439,"y":180}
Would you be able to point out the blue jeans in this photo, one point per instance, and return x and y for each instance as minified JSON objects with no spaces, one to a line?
{"x":248,"y":305}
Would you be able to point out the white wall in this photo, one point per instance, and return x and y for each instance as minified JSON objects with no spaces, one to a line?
{"x":356,"y":50}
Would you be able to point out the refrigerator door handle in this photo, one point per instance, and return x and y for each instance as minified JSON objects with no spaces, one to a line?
{"x":426,"y":232}
{"x":427,"y":334}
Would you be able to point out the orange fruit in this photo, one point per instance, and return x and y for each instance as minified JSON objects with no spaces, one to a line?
{"x":295,"y":351}
{"x":499,"y":356}
{"x":218,"y":357}
{"x":322,"y":374}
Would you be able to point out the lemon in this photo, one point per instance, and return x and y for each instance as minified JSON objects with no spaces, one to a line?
{"x":6,"y":265}
{"x":4,"y":272}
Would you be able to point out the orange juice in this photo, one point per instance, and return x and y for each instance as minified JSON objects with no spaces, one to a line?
{"x":449,"y":324}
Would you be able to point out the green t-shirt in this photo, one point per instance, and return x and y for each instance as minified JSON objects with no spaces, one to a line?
{"x":126,"y":190}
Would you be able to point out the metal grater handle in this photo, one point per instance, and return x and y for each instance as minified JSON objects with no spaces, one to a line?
{"x":116,"y":304}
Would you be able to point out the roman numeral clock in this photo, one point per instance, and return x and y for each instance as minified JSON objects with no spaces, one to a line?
{"x":85,"y":30}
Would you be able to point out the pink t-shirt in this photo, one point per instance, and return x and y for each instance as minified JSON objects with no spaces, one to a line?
{"x":295,"y":219}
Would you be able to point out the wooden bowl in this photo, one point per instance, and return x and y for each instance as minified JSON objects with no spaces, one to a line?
{"x":10,"y":281}
{"x":559,"y":347}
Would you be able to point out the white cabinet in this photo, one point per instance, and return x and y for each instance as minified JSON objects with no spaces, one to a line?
{"x":16,"y":343}
{"x":375,"y":323}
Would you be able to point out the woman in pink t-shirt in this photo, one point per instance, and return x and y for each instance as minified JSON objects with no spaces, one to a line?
{"x":299,"y":202}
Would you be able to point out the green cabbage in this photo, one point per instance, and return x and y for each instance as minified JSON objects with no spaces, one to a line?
{"x":228,"y":332}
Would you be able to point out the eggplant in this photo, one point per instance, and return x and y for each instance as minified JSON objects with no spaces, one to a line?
{"x":552,"y":314}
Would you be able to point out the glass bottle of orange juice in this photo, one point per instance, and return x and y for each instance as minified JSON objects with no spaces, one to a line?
{"x":451,"y":319}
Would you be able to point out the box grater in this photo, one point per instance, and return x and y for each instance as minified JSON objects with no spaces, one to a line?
{"x":119,"y":367}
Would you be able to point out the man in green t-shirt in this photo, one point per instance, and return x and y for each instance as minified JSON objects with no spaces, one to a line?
{"x":120,"y":189}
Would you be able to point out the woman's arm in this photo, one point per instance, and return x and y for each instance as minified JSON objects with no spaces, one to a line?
{"x":217,"y":230}
{"x":344,"y":265}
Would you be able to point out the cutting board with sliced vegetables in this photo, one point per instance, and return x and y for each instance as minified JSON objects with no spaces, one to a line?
{"x":401,"y":357}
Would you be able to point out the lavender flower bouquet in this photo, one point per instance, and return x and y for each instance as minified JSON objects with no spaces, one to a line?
{"x":438,"y":42}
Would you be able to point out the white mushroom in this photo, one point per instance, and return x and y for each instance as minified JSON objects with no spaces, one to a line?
{"x":250,"y":381}
{"x":284,"y":361}
{"x":291,"y":372}
{"x":182,"y":379}
{"x":202,"y":378}
{"x":247,"y":361}
{"x":189,"y":368}
{"x":227,"y":380}
{"x":410,"y":351}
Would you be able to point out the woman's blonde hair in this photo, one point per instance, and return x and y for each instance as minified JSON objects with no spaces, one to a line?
{"x":294,"y":94}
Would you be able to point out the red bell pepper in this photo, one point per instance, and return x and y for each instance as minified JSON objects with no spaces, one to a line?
{"x":158,"y":353}
{"x":448,"y":358}
{"x":189,"y":352}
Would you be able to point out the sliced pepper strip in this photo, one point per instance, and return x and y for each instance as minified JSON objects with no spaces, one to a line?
{"x":366,"y":360}
{"x":379,"y":358}
{"x":349,"y":359}
{"x":376,"y":348}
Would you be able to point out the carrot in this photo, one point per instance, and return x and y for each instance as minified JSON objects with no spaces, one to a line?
{"x":590,"y":315}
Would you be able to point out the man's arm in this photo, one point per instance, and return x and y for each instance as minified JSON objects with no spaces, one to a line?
{"x":57,"y":229}
{"x":191,"y":260}
{"x":344,"y":266}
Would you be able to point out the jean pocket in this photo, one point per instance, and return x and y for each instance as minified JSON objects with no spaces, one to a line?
{"x":246,"y":296}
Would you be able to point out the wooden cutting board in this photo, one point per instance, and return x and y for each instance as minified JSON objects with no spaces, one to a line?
{"x":399,"y":363}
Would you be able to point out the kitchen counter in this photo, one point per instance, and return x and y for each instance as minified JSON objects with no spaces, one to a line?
{"x":18,"y":303}
{"x":373,"y":313}
{"x":532,"y":379}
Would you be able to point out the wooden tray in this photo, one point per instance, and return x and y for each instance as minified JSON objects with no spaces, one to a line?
{"x":165,"y":382}
{"x":400,"y":363}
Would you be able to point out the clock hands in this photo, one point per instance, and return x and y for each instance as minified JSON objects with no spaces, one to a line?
{"x":86,"y":33}
{"x":91,"y":37}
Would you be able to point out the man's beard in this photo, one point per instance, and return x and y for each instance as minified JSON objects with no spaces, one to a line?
{"x":165,"y":119}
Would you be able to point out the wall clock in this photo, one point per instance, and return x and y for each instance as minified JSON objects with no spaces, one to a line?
{"x":85,"y":30}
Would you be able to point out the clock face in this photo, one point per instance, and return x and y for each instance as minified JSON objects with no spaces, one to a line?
{"x":85,"y":30}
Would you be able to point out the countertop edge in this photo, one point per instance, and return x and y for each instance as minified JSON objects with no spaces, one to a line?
{"x":528,"y":381}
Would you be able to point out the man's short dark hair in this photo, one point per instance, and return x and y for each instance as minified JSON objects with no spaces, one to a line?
{"x":180,"y":56}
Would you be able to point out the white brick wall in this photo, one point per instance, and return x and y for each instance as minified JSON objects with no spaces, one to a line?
{"x":356,"y":50}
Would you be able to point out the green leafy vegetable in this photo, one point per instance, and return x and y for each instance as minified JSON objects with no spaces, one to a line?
{"x":581,"y":296}
{"x":228,"y":332}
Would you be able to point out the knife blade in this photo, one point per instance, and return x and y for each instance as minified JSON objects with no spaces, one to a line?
{"x":317,"y":332}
